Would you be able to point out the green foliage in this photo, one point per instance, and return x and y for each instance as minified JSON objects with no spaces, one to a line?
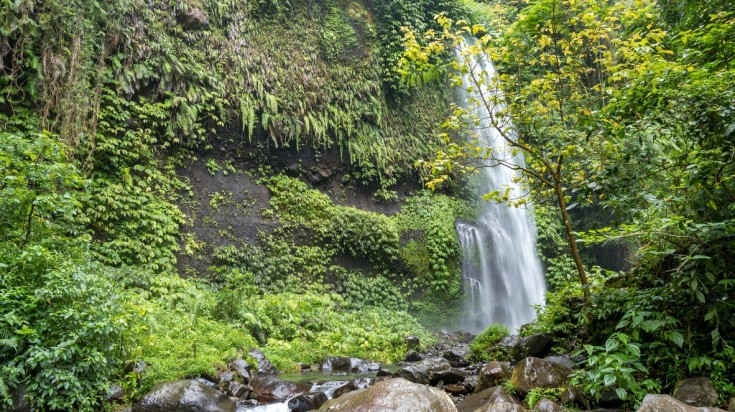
{"x":481,"y":348}
{"x":537,"y":394}
{"x":617,"y":368}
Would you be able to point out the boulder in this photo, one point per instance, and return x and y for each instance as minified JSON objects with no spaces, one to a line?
{"x":536,"y":345}
{"x":696,"y":392}
{"x":447,"y":376}
{"x":307,"y":402}
{"x":265,"y":367}
{"x":224,"y":378}
{"x":545,"y":405}
{"x":238,"y":390}
{"x":114,"y":393}
{"x":666,"y":403}
{"x":383,"y":371}
{"x":496,"y":394}
{"x":242,"y":369}
{"x":413,"y":374}
{"x":574,"y":396}
{"x":563,"y":360}
{"x":398,"y":395}
{"x":412,"y":342}
{"x":432,"y":365}
{"x":269,"y":389}
{"x":731,"y":405}
{"x":184,"y":396}
{"x":345,"y":364}
{"x":501,"y":407}
{"x":193,"y":19}
{"x":413,"y":356}
{"x":533,"y":373}
{"x":456,"y":358}
{"x":491,"y":374}
{"x":455,"y":389}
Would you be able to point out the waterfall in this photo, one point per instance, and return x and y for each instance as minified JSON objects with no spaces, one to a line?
{"x":502,"y":274}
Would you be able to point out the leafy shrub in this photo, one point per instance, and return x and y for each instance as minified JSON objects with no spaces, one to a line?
{"x":481,"y":347}
{"x":616,"y":367}
{"x":365,"y":235}
{"x":60,"y":329}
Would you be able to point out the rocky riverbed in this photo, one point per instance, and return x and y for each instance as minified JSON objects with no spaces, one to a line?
{"x":442,"y":379}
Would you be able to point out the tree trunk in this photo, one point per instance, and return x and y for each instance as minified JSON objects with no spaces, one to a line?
{"x":572,"y":241}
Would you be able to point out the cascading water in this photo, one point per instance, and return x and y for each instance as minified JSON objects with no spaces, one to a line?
{"x":501,"y":271}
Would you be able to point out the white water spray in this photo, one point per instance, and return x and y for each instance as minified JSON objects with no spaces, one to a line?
{"x":501,"y":271}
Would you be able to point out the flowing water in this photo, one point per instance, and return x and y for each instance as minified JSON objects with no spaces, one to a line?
{"x":502,"y":274}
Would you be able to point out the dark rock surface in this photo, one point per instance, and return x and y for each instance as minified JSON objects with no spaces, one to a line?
{"x":491,"y":374}
{"x":184,"y":396}
{"x":193,"y":19}
{"x":413,"y":374}
{"x":242,"y":369}
{"x":545,"y":405}
{"x":307,"y":402}
{"x":413,"y":356}
{"x":696,"y":392}
{"x":533,"y":373}
{"x":396,"y":395}
{"x":536,"y":345}
{"x":269,"y":389}
{"x":496,"y":394}
{"x":456,"y":358}
{"x":265,"y":367}
{"x":666,"y":403}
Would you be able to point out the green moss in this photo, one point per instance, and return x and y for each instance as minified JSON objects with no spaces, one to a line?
{"x":481,"y":347}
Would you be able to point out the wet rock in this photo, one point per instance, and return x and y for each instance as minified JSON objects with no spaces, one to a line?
{"x":246,"y":403}
{"x":242,"y":369}
{"x":545,"y":405}
{"x":392,"y":395}
{"x":563,"y":360}
{"x":447,"y":376}
{"x":491,"y":374}
{"x":501,"y":407}
{"x":474,"y":402}
{"x":536,"y":345}
{"x":413,"y":356}
{"x":303,"y":367}
{"x":413,"y":374}
{"x":345,"y":364}
{"x":533,"y":373}
{"x":307,"y":402}
{"x":183,"y":396}
{"x":666,"y":403}
{"x":470,"y":383}
{"x":206,"y":382}
{"x":574,"y":396}
{"x":455,"y":389}
{"x":114,"y":393}
{"x":383,"y":371}
{"x":432,"y":365}
{"x":269,"y":389}
{"x":238,"y":390}
{"x":412,"y":342}
{"x":137,"y":366}
{"x":456,"y":358}
{"x":346,"y":388}
{"x":731,"y":405}
{"x":193,"y":19}
{"x":362,"y":383}
{"x":224,"y":378}
{"x":265,"y":367}
{"x":696,"y":392}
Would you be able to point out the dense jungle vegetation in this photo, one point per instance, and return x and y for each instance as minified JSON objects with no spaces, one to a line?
{"x":112,"y":250}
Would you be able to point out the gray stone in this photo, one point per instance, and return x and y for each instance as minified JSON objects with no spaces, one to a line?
{"x":456,"y":358}
{"x":413,"y":356}
{"x":184,"y":396}
{"x":193,"y":19}
{"x":696,"y":392}
{"x":242,"y":369}
{"x":238,"y":390}
{"x":447,"y":376}
{"x":563,"y":360}
{"x":225,"y":378}
{"x":413,"y":374}
{"x":265,"y":367}
{"x":269,"y":389}
{"x":533,"y":373}
{"x":666,"y":403}
{"x":491,"y":374}
{"x":501,"y":407}
{"x":474,"y":402}
{"x":431,"y":365}
{"x":536,"y":345}
{"x":114,"y":393}
{"x":307,"y":402}
{"x":396,"y":395}
{"x":731,"y":405}
{"x":574,"y":396}
{"x":412,"y":342}
{"x":546,"y":405}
